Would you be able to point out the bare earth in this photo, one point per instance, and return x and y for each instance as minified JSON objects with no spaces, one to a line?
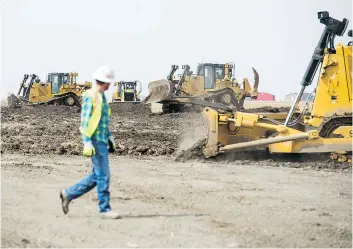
{"x":172,"y":204}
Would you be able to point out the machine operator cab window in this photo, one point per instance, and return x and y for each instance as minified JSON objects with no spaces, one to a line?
{"x":71,"y":78}
{"x":220,"y":74}
{"x":65,"y":79}
{"x":209,"y":77}
{"x":129,"y":86}
{"x":55,"y":83}
{"x":55,"y":80}
{"x":211,"y":73}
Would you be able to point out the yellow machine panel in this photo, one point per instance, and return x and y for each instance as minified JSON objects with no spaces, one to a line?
{"x":40,"y":93}
{"x":333,"y":94}
{"x":194,"y":85}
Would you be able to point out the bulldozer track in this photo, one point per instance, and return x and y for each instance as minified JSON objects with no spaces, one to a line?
{"x":197,"y":103}
{"x":328,"y":127}
{"x":63,"y":98}
{"x":216,"y":96}
{"x":327,"y":130}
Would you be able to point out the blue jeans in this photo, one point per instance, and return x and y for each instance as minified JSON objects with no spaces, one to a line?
{"x":99,"y":177}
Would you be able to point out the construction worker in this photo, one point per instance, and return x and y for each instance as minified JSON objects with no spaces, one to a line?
{"x":98,"y":141}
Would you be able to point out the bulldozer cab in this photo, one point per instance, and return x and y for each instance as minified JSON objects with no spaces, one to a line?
{"x":129,"y":89}
{"x":126,"y":91}
{"x":214,"y":73}
{"x":58,"y":80}
{"x":206,"y":78}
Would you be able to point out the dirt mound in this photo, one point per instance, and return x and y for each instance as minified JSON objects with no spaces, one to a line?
{"x":194,"y":152}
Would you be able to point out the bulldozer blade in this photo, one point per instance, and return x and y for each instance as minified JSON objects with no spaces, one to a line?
{"x":159,"y":91}
{"x":12,"y":101}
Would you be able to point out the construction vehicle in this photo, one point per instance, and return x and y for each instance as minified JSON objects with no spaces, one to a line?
{"x":127,"y":91}
{"x":59,"y":89}
{"x":212,"y":85}
{"x":326,"y":128}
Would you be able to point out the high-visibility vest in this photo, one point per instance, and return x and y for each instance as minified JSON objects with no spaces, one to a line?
{"x":93,"y":121}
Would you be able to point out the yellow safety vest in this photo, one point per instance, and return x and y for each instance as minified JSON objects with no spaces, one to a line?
{"x":93,"y":121}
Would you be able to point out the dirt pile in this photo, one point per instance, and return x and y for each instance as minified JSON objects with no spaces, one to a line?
{"x":55,"y":130}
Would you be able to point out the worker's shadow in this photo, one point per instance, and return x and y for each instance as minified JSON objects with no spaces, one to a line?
{"x":161,"y":215}
{"x":137,"y":216}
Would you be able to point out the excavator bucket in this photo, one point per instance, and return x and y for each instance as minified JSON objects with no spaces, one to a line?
{"x":159,"y":91}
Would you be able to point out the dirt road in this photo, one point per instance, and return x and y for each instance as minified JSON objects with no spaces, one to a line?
{"x":171,"y":204}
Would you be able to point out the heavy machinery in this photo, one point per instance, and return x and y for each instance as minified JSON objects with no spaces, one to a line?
{"x":212,"y":85}
{"x":326,"y":128}
{"x":127,"y":91}
{"x":59,"y":89}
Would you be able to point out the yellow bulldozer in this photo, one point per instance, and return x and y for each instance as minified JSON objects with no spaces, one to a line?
{"x":59,"y":89}
{"x":212,"y":85}
{"x":127,"y":91}
{"x":325,"y":127}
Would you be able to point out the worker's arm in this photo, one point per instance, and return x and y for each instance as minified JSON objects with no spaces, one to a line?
{"x":86,"y":113}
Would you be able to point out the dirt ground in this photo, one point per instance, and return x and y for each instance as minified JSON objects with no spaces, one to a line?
{"x":172,"y":204}
{"x":231,"y":201}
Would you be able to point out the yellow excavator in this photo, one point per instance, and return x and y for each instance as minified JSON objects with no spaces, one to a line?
{"x":212,"y":85}
{"x":59,"y":89}
{"x":325,"y":128}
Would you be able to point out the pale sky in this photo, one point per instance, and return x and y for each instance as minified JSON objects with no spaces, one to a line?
{"x":141,"y":39}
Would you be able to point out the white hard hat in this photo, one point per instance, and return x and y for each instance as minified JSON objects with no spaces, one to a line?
{"x":104,"y":74}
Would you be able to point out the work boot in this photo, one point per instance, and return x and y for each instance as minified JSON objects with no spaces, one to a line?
{"x":110,"y":215}
{"x":64,"y":202}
